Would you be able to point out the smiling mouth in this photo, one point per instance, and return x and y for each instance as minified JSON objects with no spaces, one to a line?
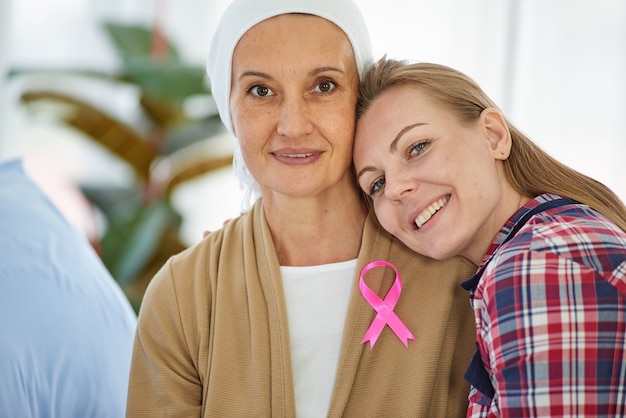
{"x":294,"y":155}
{"x":428,"y":213}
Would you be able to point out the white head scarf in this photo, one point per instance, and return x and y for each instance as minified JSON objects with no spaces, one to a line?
{"x":238,"y":18}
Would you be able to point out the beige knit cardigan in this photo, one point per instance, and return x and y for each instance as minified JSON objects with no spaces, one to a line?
{"x":213,"y":341}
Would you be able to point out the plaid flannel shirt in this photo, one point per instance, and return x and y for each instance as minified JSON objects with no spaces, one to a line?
{"x":550,"y":312}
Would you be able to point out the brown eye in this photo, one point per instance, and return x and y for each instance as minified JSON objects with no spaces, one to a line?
{"x":325,"y":86}
{"x":261,"y":91}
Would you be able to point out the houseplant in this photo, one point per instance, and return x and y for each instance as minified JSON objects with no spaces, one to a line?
{"x":141,"y":224}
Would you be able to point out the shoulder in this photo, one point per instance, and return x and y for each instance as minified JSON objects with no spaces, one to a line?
{"x":187,"y":278}
{"x":571,"y":244}
{"x":44,"y":251}
{"x":378,"y":244}
{"x":574,"y":232}
{"x":577,"y":220}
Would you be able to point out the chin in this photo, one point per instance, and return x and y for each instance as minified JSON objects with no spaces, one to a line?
{"x":429,"y":251}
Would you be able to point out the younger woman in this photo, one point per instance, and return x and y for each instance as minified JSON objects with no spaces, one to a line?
{"x":449,"y":175}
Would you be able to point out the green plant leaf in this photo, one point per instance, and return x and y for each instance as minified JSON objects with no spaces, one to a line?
{"x":114,"y":201}
{"x":184,"y":135}
{"x":142,"y":227}
{"x":168,"y":80}
{"x":132,"y":41}
{"x":111,"y":133}
{"x":132,"y":241}
{"x":166,"y":76}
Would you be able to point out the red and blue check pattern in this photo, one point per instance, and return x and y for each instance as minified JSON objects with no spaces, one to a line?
{"x":550,"y":313}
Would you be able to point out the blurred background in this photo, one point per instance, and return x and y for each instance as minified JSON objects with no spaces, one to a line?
{"x":107,"y":103}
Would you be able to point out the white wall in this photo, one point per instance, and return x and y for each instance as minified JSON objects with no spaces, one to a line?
{"x":570,"y":84}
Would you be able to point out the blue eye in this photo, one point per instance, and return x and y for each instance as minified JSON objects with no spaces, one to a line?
{"x":377,"y":186}
{"x":261,"y":91}
{"x":418,"y":148}
{"x":325,"y":86}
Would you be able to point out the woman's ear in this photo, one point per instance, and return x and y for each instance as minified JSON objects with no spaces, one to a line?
{"x":496,"y":133}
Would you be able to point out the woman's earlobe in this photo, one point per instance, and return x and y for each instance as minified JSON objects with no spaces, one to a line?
{"x":497,"y":133}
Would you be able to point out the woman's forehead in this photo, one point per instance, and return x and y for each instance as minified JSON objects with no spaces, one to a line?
{"x":293,"y":27}
{"x":286,"y":38}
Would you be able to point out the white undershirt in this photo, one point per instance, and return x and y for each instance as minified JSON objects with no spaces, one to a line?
{"x":317,"y":301}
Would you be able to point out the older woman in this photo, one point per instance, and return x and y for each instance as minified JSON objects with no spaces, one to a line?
{"x":266,"y":317}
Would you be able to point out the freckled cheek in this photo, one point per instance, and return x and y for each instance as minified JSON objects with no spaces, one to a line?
{"x":252,"y":140}
{"x":251,"y":121}
{"x":345,"y":131}
{"x":452,"y":170}
{"x":337,"y":128}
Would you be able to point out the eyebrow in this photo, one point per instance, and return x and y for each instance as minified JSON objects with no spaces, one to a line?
{"x":394,"y":144}
{"x":267,"y":76}
{"x":254,"y":74}
{"x":325,"y":69}
{"x":392,"y":147}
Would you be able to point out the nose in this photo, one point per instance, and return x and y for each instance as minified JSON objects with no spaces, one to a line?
{"x":399,"y":185}
{"x":294,"y":118}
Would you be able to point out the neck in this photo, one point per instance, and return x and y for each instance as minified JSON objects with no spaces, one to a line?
{"x":511,"y":202}
{"x":316,"y":230}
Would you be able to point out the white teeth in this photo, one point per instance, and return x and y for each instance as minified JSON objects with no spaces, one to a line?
{"x":428,"y":213}
{"x":295,"y":155}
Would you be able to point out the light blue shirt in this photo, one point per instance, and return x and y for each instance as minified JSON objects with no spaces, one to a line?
{"x":66,"y":328}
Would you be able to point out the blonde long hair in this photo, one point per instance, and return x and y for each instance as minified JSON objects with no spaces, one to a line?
{"x":529,"y":169}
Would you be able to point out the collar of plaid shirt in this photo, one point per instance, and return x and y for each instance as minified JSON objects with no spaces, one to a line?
{"x":476,"y":373}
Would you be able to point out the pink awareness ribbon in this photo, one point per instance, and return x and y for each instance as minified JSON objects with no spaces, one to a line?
{"x":384,"y":308}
